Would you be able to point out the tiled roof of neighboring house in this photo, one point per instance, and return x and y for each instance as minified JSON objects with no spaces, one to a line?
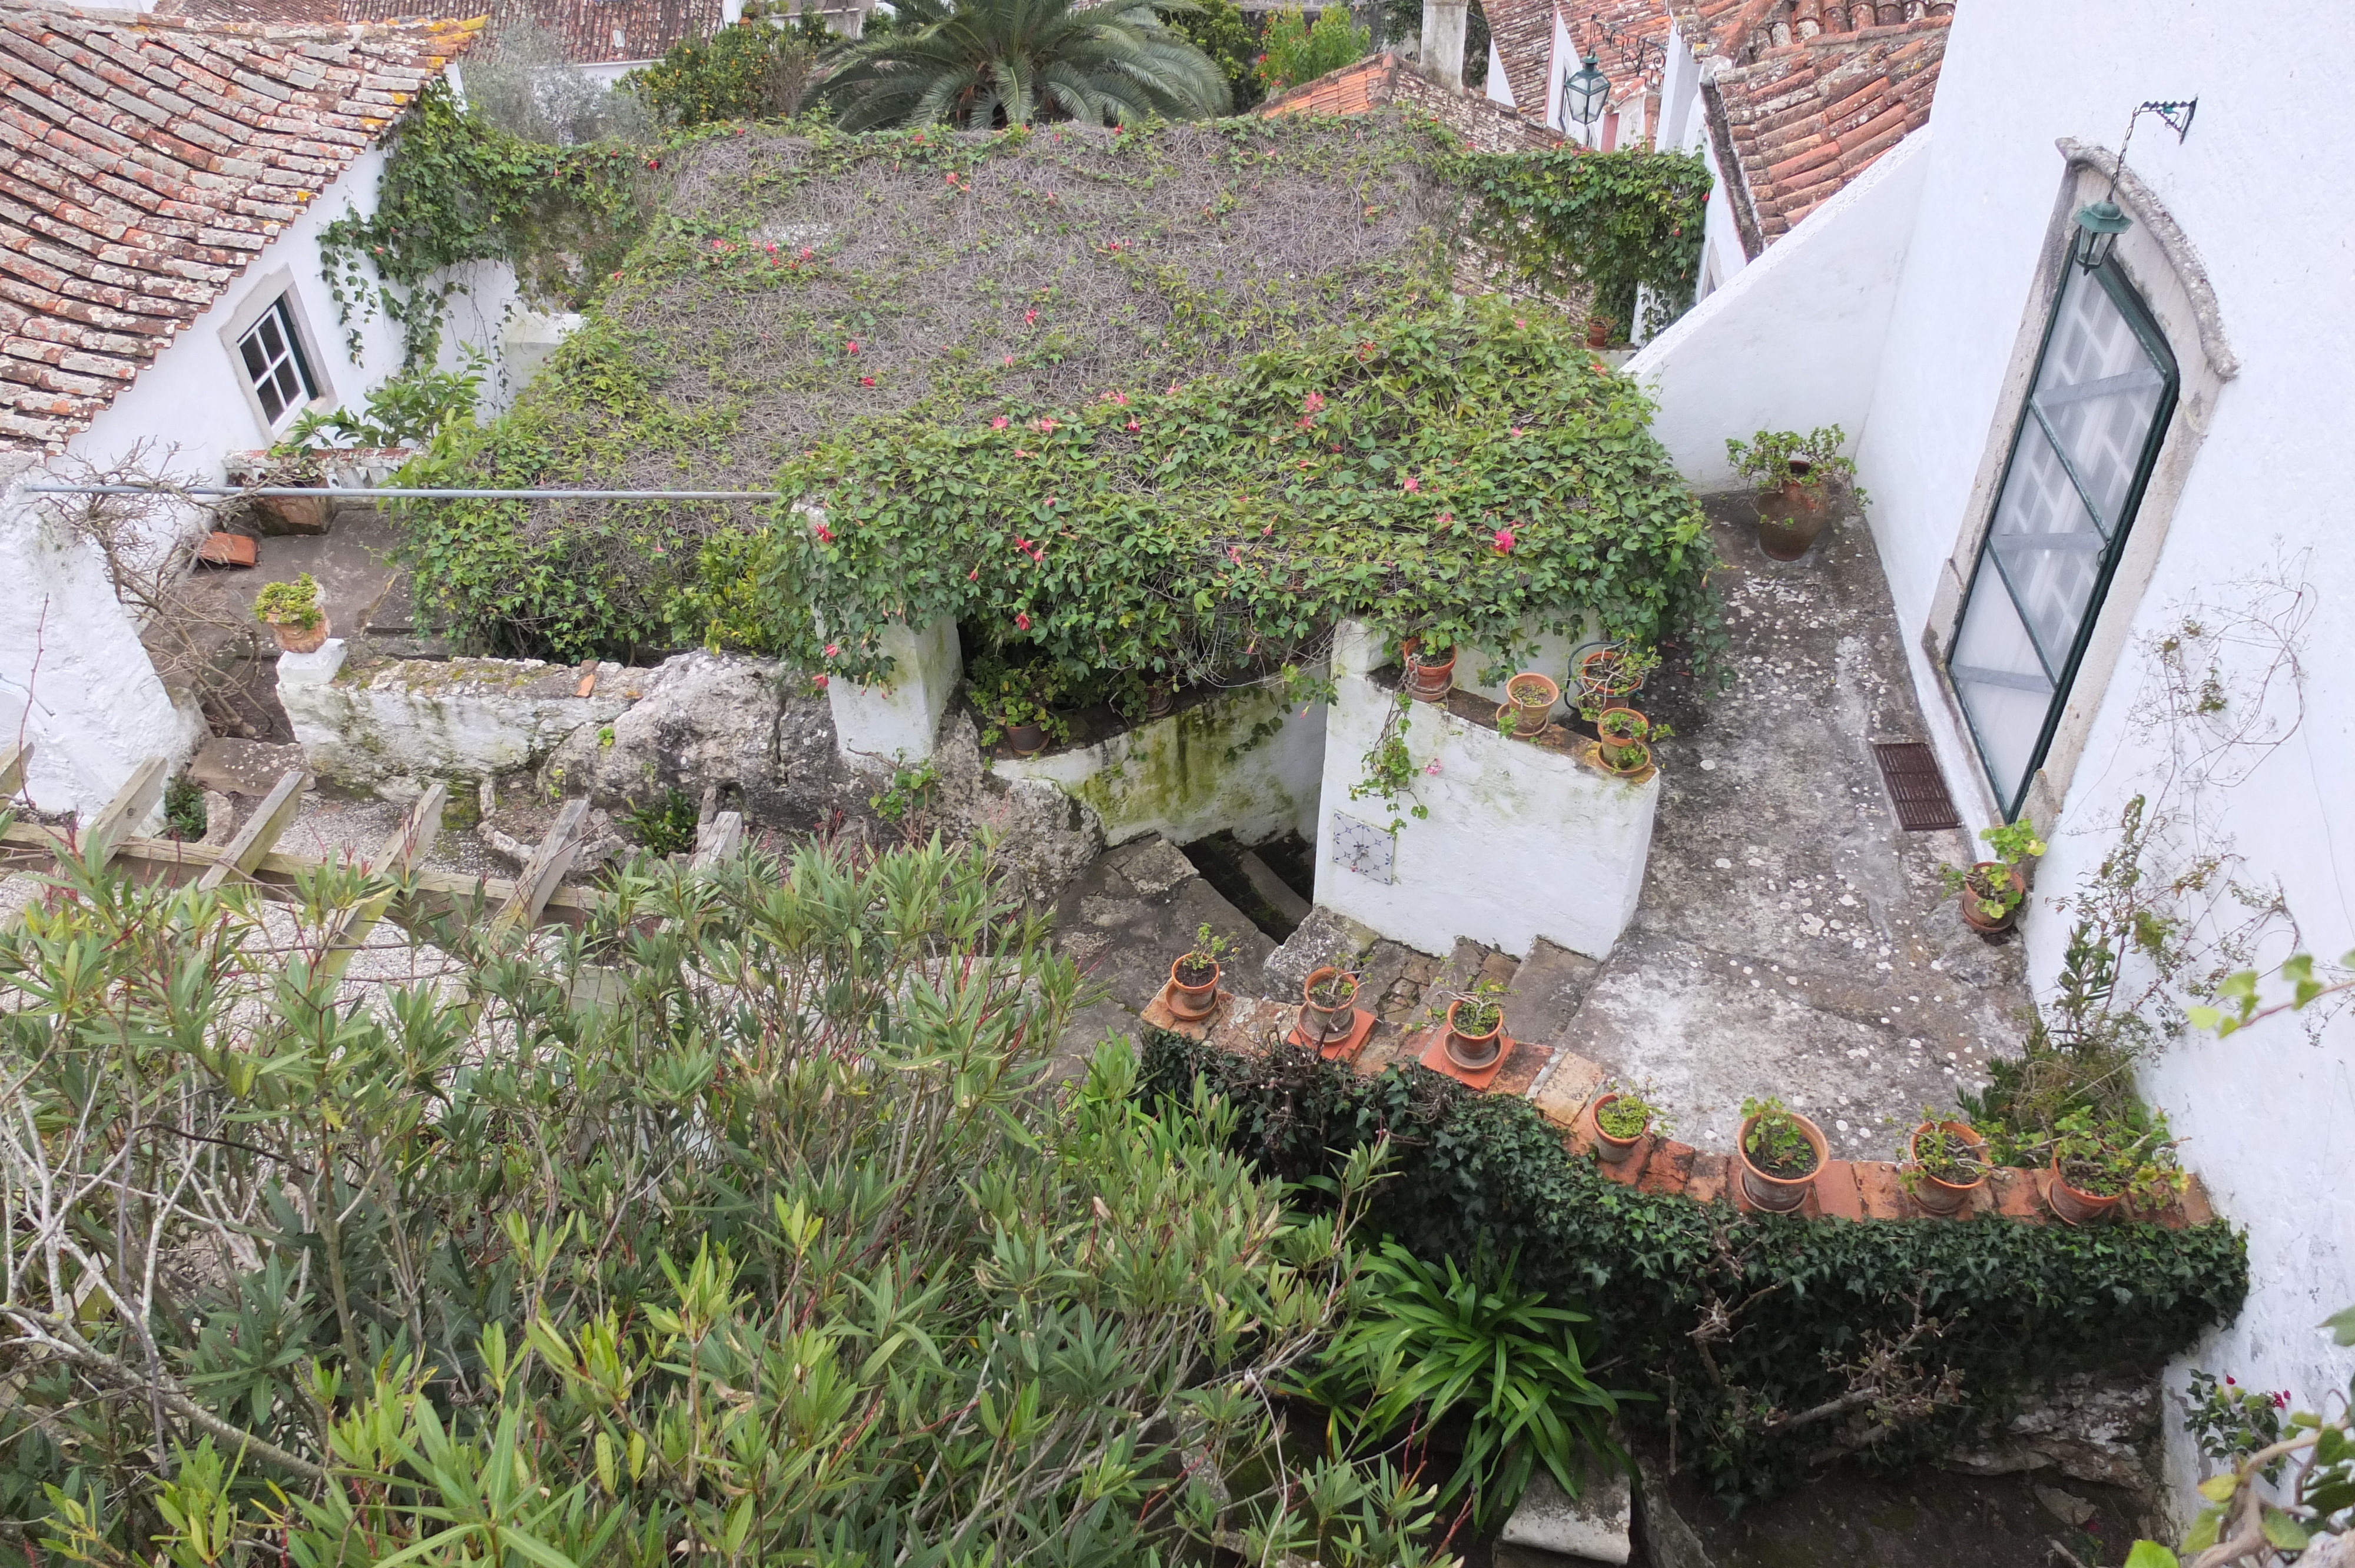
{"x":1625,"y":36}
{"x":1522,"y":32}
{"x":593,"y":32}
{"x":1812,"y":92}
{"x":1381,"y":79}
{"x":145,"y":162}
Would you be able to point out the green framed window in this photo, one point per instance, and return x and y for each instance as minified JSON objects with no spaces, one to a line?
{"x":2097,"y":409}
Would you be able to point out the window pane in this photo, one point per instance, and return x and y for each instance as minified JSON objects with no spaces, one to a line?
{"x":2050,"y":550}
{"x":2002,"y":685}
{"x":2098,"y":389}
{"x":273,"y":343}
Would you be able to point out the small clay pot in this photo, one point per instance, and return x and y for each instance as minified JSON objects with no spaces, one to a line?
{"x":1939,"y":1196}
{"x":1027,"y":739}
{"x":294,"y":640}
{"x":1603,"y":724}
{"x":2074,"y":1205}
{"x":1634,"y":757}
{"x":1779,"y":1194}
{"x":1429,"y":680}
{"x":1532,"y":696}
{"x":1474,"y":1053}
{"x":1970,"y":901}
{"x":1790,"y":517}
{"x":1192,"y":1003}
{"x":1609,"y":1149}
{"x":1158,"y":700}
{"x":1323,"y":1021}
{"x":1603,"y":679}
{"x":1598,"y":332}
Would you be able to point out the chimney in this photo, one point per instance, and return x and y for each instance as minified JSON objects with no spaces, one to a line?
{"x":1443,"y":41}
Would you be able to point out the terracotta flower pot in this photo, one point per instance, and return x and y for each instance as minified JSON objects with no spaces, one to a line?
{"x":294,"y":640}
{"x":1598,"y":332}
{"x":292,"y":514}
{"x":1935,"y":1194}
{"x":1632,"y":725}
{"x":1158,"y":700}
{"x":1192,"y":1003}
{"x":1531,"y":696}
{"x":2074,"y":1205}
{"x":1328,"y":1021}
{"x":1473,"y":1052}
{"x":1625,"y":757}
{"x":1970,"y":900}
{"x":1779,"y":1194}
{"x":1790,"y":517}
{"x":1610,"y":1150}
{"x":1603,"y":677}
{"x":1027,"y":739}
{"x":1428,"y":679}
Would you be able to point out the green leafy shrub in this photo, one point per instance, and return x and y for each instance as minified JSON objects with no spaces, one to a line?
{"x":409,"y":409}
{"x":294,"y":604}
{"x":183,"y":809}
{"x":778,"y":1250}
{"x":1220,"y":30}
{"x":1773,"y":1343}
{"x":666,"y":824}
{"x":755,"y":70}
{"x":1605,"y":224}
{"x":1293,"y":51}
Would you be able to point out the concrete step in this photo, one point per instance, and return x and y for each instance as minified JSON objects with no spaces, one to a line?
{"x":1548,"y":987}
{"x":247,"y":768}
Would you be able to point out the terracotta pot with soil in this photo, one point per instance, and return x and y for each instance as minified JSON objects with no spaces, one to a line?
{"x":1158,"y":700}
{"x":1027,"y":739}
{"x":1598,"y":332}
{"x":296,"y":640}
{"x":1614,"y":1147}
{"x":1328,"y":1003}
{"x":1531,"y":696}
{"x":1791,"y":517}
{"x":1429,"y":677}
{"x":1605,"y":675}
{"x":2075,"y":1204}
{"x":1781,"y":1151}
{"x":1991,"y":881}
{"x":1193,"y":986}
{"x":1944,"y":1176}
{"x":1470,"y":1046}
{"x":1628,"y":758}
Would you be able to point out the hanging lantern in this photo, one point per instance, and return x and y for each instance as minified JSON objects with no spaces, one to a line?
{"x":1585,"y":93}
{"x":2099,"y":224}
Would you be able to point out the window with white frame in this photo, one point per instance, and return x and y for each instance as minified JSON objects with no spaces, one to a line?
{"x":272,"y":359}
{"x":2098,"y":406}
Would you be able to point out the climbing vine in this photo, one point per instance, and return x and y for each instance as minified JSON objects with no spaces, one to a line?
{"x":1614,"y":222}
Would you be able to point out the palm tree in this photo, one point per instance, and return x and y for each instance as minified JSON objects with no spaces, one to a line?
{"x":983,"y":63}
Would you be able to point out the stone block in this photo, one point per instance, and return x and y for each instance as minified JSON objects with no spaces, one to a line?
{"x":1836,"y":1193}
{"x":1594,"y":1525}
{"x":2018,"y":1195}
{"x":1668,"y":1169}
{"x":1522,"y":1067}
{"x":1883,"y":1191}
{"x":1562,"y":1095}
{"x":1706,"y":1183}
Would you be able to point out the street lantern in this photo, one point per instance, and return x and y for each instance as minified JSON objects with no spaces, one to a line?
{"x":1585,"y":93}
{"x":2099,"y":224}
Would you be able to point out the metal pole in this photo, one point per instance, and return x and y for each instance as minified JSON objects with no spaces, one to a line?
{"x":396,"y":494}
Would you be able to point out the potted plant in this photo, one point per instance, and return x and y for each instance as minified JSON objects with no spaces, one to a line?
{"x":292,"y":612}
{"x":1619,"y":726}
{"x":1475,"y":1027}
{"x":1622,"y":1117}
{"x":1430,"y":669}
{"x":294,"y":460}
{"x":1607,"y":673}
{"x":2099,"y":1162}
{"x":1781,"y":1152}
{"x":1993,"y":890}
{"x":1328,"y":1003}
{"x":1793,"y":474}
{"x":1025,"y":723}
{"x":1194,"y":976}
{"x":1598,"y":330}
{"x":1946,"y":1161}
{"x":1531,"y":696}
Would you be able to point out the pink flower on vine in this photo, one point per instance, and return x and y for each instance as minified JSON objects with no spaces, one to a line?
{"x":1044,"y":427}
{"x":1312,"y":402}
{"x":833,"y":650}
{"x":1235,"y":553}
{"x":852,"y":345}
{"x":1447,"y":517}
{"x":1022,"y":621}
{"x":1431,"y":767}
{"x":823,"y":532}
{"x":1173,"y":389}
{"x":1019,"y":452}
{"x":866,"y":381}
{"x":807,"y":252}
{"x":1029,"y":318}
{"x":999,"y":423}
{"x":1133,"y":425}
{"x":974,"y":576}
{"x":1009,"y":359}
{"x":1517,"y":429}
{"x":819,"y":681}
{"x":1412,"y":484}
{"x":1504,"y":541}
{"x":1522,"y":323}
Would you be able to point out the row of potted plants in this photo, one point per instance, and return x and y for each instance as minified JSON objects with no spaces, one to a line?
{"x":1606,"y":677}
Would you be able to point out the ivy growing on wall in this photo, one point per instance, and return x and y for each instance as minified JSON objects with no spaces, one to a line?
{"x":1769,"y":1344}
{"x":1612,"y":221}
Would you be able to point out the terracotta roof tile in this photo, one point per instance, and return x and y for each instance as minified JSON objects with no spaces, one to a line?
{"x":1379,"y":80}
{"x":144,"y":161}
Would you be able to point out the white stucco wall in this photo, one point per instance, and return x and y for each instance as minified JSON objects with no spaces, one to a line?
{"x":893,"y":722}
{"x":1245,"y":762}
{"x":1519,"y":842}
{"x":1795,"y":340}
{"x":2269,"y":1117}
{"x":74,"y":681}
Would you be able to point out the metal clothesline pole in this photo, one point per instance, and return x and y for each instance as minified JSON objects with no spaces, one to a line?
{"x":226,"y":493}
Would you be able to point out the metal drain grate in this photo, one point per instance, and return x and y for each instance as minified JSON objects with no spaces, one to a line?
{"x":1916,"y":788}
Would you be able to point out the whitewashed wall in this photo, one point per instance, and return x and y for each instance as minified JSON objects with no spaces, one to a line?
{"x":1245,"y":762}
{"x":1519,"y":842}
{"x":2269,"y":1117}
{"x":1794,"y":341}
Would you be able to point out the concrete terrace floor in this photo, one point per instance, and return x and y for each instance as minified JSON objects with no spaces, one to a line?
{"x":1790,"y":940}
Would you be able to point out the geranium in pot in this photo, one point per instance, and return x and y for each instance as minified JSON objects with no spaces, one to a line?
{"x":1946,"y":1161}
{"x":294,"y":461}
{"x":1794,"y":474}
{"x":1992,"y":891}
{"x":1781,"y":1151}
{"x":1429,"y":667}
{"x":1475,"y":1027}
{"x":292,"y":612}
{"x":2100,"y":1163}
{"x":1328,"y":1003}
{"x":1622,"y":1118}
{"x":1194,"y":976}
